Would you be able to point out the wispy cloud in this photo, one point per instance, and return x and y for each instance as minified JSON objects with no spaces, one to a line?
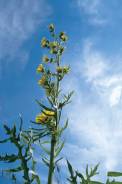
{"x":18,"y":21}
{"x":92,"y":8}
{"x":100,"y":72}
{"x":95,"y":113}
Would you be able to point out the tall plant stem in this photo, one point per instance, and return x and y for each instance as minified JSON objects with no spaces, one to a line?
{"x":53,"y":138}
{"x":52,"y":164}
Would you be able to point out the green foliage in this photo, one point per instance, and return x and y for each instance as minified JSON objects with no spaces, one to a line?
{"x":23,"y":143}
{"x":79,"y":178}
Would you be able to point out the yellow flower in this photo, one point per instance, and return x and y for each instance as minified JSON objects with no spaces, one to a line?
{"x":41,"y":118}
{"x":64,"y":69}
{"x":45,"y":116}
{"x":49,"y":113}
{"x":59,"y":69}
{"x":45,"y":59}
{"x":44,"y":42}
{"x":42,"y":80}
{"x":40,"y":68}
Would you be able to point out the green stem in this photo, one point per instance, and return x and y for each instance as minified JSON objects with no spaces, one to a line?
{"x":24,"y":166}
{"x":53,"y":138}
{"x":52,"y":164}
{"x":26,"y":171}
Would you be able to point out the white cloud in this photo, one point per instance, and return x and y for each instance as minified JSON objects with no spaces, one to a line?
{"x":94,"y":66}
{"x":18,"y":21}
{"x":96,"y":70}
{"x":115,"y":96}
{"x":93,"y":9}
{"x":95,"y":113}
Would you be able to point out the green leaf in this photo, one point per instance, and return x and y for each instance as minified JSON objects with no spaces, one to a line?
{"x":114,"y":174}
{"x":36,"y":177}
{"x":9,"y":158}
{"x":95,"y":182}
{"x":7,"y":129}
{"x":5,"y":140}
{"x":87,"y":171}
{"x":63,"y":128}
{"x":43,"y":106}
{"x":25,"y":136}
{"x":18,"y":169}
{"x":13,"y":131}
{"x":46,"y":161}
{"x":58,"y":150}
{"x":70,"y":169}
{"x":66,"y":99}
{"x":79,"y":175}
{"x":21,"y":122}
{"x":58,"y":160}
{"x":94,"y":171}
{"x":45,"y":149}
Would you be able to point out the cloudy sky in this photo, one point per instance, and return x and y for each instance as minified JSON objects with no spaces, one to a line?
{"x":94,"y":53}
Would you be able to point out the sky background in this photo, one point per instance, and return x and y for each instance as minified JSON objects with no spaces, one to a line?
{"x":94,"y":52}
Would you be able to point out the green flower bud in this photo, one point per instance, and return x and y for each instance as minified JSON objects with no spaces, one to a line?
{"x":51,"y":28}
{"x":61,"y":50}
{"x":63,"y":36}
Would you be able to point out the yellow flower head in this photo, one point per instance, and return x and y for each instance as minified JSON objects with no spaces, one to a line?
{"x":59,"y":69}
{"x":49,"y":113}
{"x":42,"y":80}
{"x":40,"y":68}
{"x":41,"y":118}
{"x":64,"y":69}
{"x":44,"y":42}
{"x":45,"y":116}
{"x":45,"y":59}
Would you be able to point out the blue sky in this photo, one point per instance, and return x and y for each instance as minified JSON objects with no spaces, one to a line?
{"x":94,"y":52}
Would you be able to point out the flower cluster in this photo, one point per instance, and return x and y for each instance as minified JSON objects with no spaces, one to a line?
{"x":42,"y":81}
{"x":63,"y":70}
{"x":45,"y":117}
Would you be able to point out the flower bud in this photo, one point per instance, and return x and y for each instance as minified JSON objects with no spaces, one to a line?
{"x":63,"y":36}
{"x":45,"y":59}
{"x":51,"y":28}
{"x":44,"y":42}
